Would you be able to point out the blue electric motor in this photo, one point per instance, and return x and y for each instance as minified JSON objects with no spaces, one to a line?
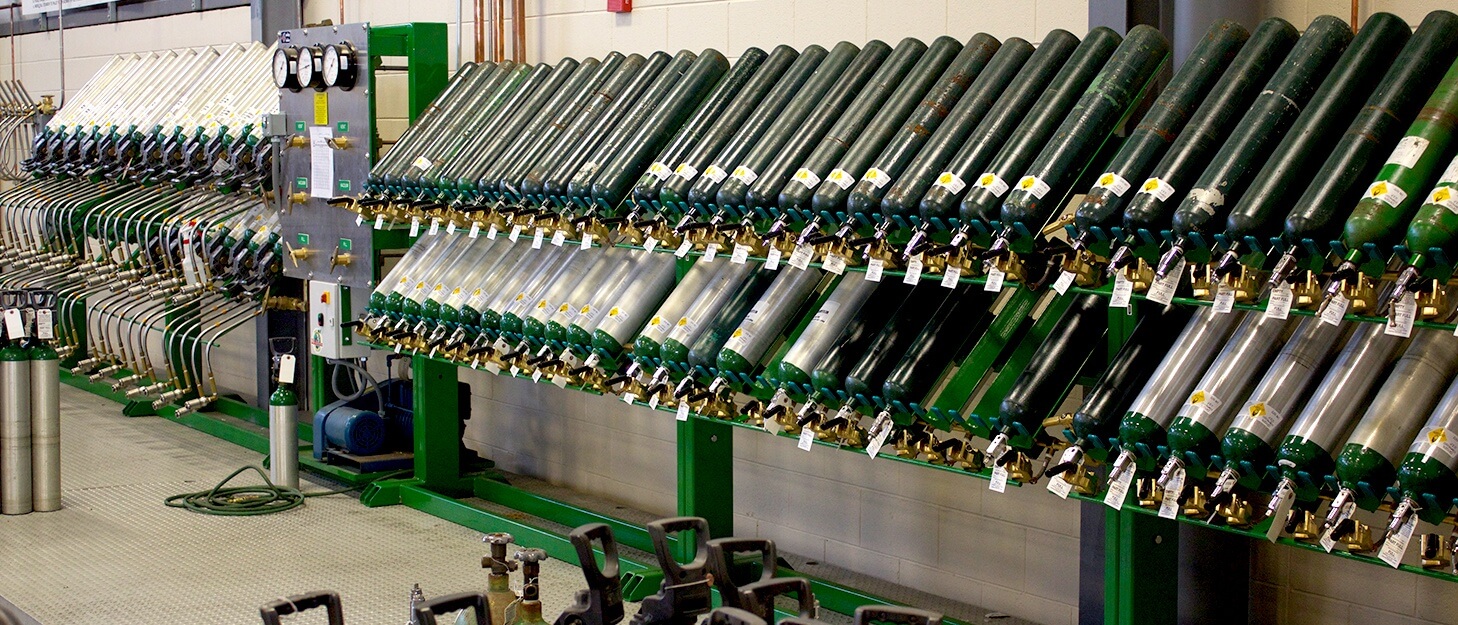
{"x":354,"y":431}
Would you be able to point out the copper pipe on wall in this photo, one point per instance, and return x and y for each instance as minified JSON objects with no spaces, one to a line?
{"x":1355,"y":17}
{"x":498,"y":29}
{"x":480,"y":27}
{"x":341,"y":12}
{"x":518,"y":23}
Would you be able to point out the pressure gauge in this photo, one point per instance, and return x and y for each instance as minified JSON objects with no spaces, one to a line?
{"x":309,"y":62}
{"x":340,"y":69}
{"x":285,"y":68}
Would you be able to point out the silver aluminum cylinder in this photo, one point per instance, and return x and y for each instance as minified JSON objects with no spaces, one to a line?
{"x":1285,"y":384}
{"x":45,"y":432}
{"x":843,"y":305}
{"x":283,"y":446}
{"x":1335,"y":405}
{"x":15,"y":481}
{"x":1408,"y":395}
{"x":1177,"y":374}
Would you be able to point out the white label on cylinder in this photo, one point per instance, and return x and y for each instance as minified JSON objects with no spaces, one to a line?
{"x":992,"y":182}
{"x":379,"y":222}
{"x":414,"y":226}
{"x":587,"y":240}
{"x":450,"y":227}
{"x":434,"y":227}
{"x":286,"y":366}
{"x":1259,"y":417}
{"x":1114,"y":183}
{"x":951,"y":182}
{"x":1445,"y":197}
{"x":684,"y":248}
{"x":807,"y":439}
{"x":826,"y":310}
{"x":711,"y":251}
{"x":558,"y":238}
{"x":772,"y":259}
{"x":1160,"y":189}
{"x":649,"y":244}
{"x":745,"y":175}
{"x":537,"y":237}
{"x":1201,"y":402}
{"x":840,"y":178}
{"x":1408,"y":151}
{"x":421,"y":163}
{"x":1386,"y":192}
{"x":877,"y":177}
{"x":1437,"y":443}
{"x":715,"y":173}
{"x":683,"y":411}
{"x":686,"y":171}
{"x":515,"y":233}
{"x":1034,"y":185}
{"x":659,"y":171}
{"x":806,"y":177}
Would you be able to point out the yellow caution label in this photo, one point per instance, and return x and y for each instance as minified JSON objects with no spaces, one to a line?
{"x":1198,"y":397}
{"x":1106,"y":179}
{"x":1258,"y":410}
{"x":682,"y":321}
{"x":456,"y":291}
{"x":1150,"y":185}
{"x":1438,"y":435}
{"x":738,"y":332}
{"x":562,"y":308}
{"x":613,"y":312}
{"x":321,"y":109}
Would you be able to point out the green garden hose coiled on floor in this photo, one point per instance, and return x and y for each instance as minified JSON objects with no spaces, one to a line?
{"x":224,"y":500}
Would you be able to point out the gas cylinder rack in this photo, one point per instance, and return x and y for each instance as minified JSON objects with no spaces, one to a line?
{"x":787,"y":152}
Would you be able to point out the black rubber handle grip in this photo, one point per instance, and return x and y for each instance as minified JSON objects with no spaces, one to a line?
{"x":582,"y":539}
{"x":759,"y":598}
{"x":721,"y":552}
{"x":736,"y":616}
{"x":900,"y":615}
{"x":327,"y":599}
{"x":426,"y":611}
{"x":673,"y":572}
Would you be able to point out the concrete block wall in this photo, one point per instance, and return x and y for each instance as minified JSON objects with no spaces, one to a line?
{"x":939,"y":531}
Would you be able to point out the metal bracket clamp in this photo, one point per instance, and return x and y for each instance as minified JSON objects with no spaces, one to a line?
{"x":602,"y":602}
{"x":327,"y":599}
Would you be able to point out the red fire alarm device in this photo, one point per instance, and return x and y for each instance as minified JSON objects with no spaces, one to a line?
{"x":620,"y":6}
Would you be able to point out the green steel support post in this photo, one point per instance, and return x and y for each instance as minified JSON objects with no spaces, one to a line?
{"x":437,"y":427}
{"x":1141,"y":560}
{"x":705,"y":478}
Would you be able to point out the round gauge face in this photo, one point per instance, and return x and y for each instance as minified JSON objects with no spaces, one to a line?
{"x":331,"y":65}
{"x":339,"y":66}
{"x":285,"y":64}
{"x":308,"y":67}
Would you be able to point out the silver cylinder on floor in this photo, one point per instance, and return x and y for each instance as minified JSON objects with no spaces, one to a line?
{"x":15,"y":480}
{"x":283,"y":445}
{"x":45,"y":429}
